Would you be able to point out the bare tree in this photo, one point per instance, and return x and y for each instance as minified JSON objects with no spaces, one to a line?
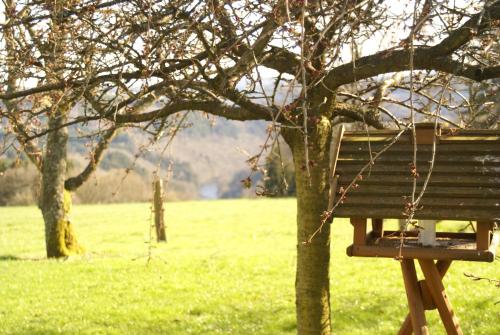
{"x":304,"y":66}
{"x":65,"y":63}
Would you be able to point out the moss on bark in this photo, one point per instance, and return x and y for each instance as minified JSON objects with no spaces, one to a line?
{"x":313,"y":259}
{"x":55,"y":202}
{"x":61,"y":237}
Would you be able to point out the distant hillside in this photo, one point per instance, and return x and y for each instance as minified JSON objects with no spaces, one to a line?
{"x":209,"y":157}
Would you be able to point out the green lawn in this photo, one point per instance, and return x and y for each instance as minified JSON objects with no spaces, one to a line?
{"x":228,"y":268}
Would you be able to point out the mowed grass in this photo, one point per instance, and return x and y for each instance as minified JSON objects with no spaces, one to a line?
{"x":228,"y":268}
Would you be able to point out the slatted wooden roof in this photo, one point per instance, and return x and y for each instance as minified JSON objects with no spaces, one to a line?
{"x":464,"y":184}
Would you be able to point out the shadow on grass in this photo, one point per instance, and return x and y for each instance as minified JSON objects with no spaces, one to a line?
{"x":9,"y":258}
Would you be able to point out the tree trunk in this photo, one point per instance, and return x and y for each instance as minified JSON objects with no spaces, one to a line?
{"x":313,"y":259}
{"x":55,"y":202}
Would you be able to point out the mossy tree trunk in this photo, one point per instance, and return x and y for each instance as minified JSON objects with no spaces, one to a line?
{"x":313,"y":259}
{"x":55,"y":202}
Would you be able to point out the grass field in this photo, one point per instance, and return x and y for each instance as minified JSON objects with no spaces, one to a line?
{"x":228,"y":268}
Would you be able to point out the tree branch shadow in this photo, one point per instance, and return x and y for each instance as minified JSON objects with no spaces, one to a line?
{"x":9,"y":257}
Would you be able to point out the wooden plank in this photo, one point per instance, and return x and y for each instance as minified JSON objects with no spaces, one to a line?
{"x":439,"y":234}
{"x":431,"y":191}
{"x":451,"y":133}
{"x":444,"y":145}
{"x":446,"y":156}
{"x":463,"y":179}
{"x":437,"y":291}
{"x":478,"y":158}
{"x":421,"y":253}
{"x":484,"y":230}
{"x":445,"y":148}
{"x":427,"y":201}
{"x":445,"y":132}
{"x":359,"y":237}
{"x":471,"y":137}
{"x":448,"y":169}
{"x":438,"y":180}
{"x":403,"y":161}
{"x":415,"y":304}
{"x":426,"y":213}
{"x":387,"y":137}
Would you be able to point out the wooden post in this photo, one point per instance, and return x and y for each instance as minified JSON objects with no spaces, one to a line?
{"x":483,"y":234}
{"x":378,"y":227}
{"x":415,"y":303}
{"x":425,"y":132}
{"x":406,"y":327}
{"x":159,"y":211}
{"x":359,"y":231}
{"x":436,"y":289}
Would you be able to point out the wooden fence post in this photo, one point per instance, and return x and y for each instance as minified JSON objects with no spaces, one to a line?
{"x":159,"y":211}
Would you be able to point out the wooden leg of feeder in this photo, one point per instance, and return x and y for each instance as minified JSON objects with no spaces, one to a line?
{"x":415,"y":303}
{"x":406,"y":327}
{"x":359,"y":231}
{"x":483,"y":234}
{"x":442,"y":266}
{"x":436,"y":289}
{"x":429,"y":304}
{"x":378,"y":227}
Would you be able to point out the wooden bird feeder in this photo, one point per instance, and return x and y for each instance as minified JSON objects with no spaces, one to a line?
{"x":464,"y":185}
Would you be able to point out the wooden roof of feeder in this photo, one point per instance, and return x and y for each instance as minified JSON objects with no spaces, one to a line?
{"x":464,"y":184}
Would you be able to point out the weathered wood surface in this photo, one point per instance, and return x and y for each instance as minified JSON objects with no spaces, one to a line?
{"x":424,"y":213}
{"x":415,"y":303}
{"x":422,"y":253}
{"x":378,"y":227}
{"x":406,"y":327}
{"x":483,"y":234}
{"x":159,"y":211}
{"x":437,"y":291}
{"x":451,"y":246}
{"x":359,"y":237}
{"x":464,"y":185}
